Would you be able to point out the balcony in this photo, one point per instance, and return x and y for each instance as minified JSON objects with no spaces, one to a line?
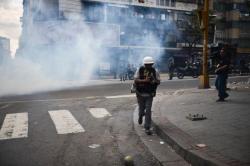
{"x":245,"y":35}
{"x":245,"y":17}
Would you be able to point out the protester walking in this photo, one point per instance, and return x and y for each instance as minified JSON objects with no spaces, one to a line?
{"x":222,"y":75}
{"x":147,"y":78}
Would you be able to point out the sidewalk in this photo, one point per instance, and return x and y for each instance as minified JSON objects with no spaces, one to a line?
{"x":225,"y":132}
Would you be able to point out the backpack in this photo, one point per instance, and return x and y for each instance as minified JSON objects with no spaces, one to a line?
{"x":147,"y":88}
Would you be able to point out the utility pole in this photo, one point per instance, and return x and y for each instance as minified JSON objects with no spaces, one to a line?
{"x":204,"y":79}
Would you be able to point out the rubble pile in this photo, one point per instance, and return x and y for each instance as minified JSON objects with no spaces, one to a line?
{"x":239,"y":85}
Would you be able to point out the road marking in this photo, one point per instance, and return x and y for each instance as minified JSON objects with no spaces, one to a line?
{"x":14,"y":126}
{"x":64,"y":122}
{"x":5,"y":106}
{"x":45,"y":100}
{"x":91,"y":97}
{"x":119,"y":96}
{"x":99,"y":112}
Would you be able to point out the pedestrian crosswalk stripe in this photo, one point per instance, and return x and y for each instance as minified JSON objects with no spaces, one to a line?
{"x":120,"y":96}
{"x":99,"y":112}
{"x":14,"y":126}
{"x":64,"y":122}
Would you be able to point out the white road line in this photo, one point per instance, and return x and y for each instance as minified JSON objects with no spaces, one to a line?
{"x":14,"y":126}
{"x":99,"y":112}
{"x":90,"y":97}
{"x":4,"y":106}
{"x":45,"y":100}
{"x":63,"y":99}
{"x":65,"y":122}
{"x":119,"y":96}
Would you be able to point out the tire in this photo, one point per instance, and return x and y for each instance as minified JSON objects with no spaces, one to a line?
{"x":195,"y":75}
{"x":180,"y":75}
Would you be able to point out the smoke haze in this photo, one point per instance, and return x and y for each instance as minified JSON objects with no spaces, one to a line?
{"x":57,"y":51}
{"x":10,"y":26}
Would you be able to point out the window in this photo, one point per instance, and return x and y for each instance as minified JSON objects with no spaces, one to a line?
{"x":157,"y":2}
{"x":173,"y":3}
{"x":163,"y":17}
{"x":150,"y":16}
{"x":165,"y":2}
{"x":162,"y":2}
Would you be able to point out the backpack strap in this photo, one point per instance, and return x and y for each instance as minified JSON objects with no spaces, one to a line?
{"x":141,"y":72}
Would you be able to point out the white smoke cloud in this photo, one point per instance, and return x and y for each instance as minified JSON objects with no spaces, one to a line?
{"x":10,"y":26}
{"x":57,"y":51}
{"x":73,"y":54}
{"x":10,"y":4}
{"x":21,"y":76}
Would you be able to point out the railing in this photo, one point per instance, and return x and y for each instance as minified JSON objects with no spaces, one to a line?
{"x":245,"y":17}
{"x":152,"y":3}
{"x":245,"y":35}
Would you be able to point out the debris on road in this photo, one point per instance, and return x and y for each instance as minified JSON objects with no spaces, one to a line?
{"x":201,"y":145}
{"x":93,"y":146}
{"x":162,"y":142}
{"x":196,"y":117}
{"x":128,"y":161}
{"x":239,"y":85}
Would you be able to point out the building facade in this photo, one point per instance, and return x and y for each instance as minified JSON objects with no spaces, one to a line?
{"x":233,"y":25}
{"x":4,"y":49}
{"x":134,"y":28}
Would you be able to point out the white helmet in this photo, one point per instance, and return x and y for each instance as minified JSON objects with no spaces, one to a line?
{"x":148,"y":60}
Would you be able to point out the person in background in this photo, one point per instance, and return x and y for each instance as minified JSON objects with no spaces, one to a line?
{"x":222,"y":75}
{"x":171,"y":68}
{"x":146,"y":79}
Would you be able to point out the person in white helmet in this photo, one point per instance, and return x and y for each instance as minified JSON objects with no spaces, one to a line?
{"x":146,"y":79}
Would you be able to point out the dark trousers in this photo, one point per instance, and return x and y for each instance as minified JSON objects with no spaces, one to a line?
{"x":171,"y":73}
{"x":145,"y":104}
{"x":220,"y":84}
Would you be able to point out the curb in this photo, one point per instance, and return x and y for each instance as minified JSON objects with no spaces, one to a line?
{"x":161,"y":151}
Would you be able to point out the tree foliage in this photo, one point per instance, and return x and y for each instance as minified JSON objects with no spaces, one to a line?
{"x":191,"y":32}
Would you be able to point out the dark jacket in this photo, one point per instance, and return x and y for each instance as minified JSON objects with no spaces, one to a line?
{"x":223,"y":61}
{"x":151,"y":87}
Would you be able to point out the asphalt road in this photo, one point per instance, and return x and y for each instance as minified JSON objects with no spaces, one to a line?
{"x":97,"y":141}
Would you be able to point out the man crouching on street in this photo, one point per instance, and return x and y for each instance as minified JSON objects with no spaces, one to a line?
{"x":146,"y":80}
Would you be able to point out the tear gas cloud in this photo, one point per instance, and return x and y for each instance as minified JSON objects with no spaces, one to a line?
{"x":56,"y":51}
{"x":10,"y":26}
